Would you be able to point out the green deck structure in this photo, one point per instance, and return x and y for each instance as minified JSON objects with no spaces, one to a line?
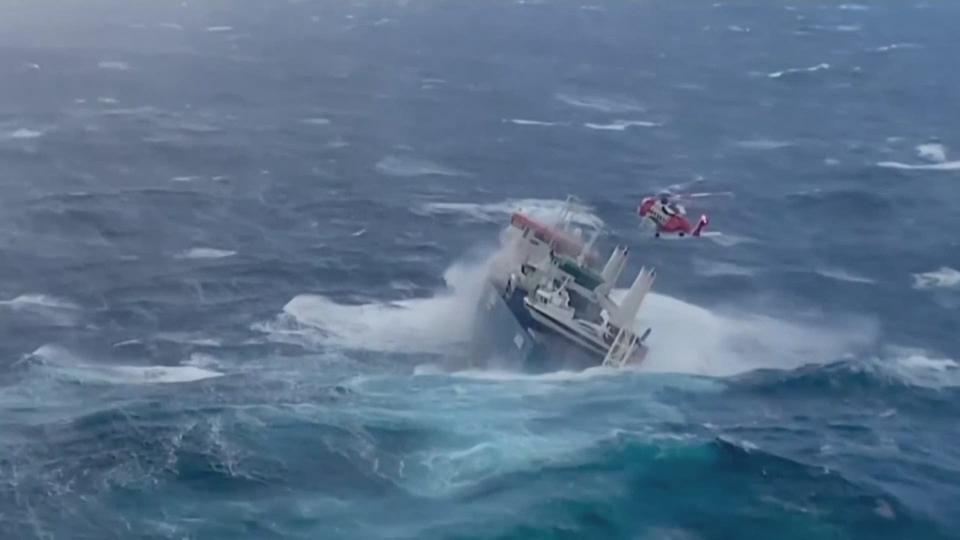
{"x":583,"y":276}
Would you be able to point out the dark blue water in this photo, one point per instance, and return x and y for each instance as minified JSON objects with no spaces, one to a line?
{"x":241,"y":242}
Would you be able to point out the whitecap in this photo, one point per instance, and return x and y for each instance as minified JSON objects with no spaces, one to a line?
{"x":720,"y":268}
{"x":553,"y":376}
{"x":942,"y":278}
{"x":932,"y":151}
{"x":315,"y":121}
{"x":404,"y":166}
{"x":884,"y":510}
{"x":853,"y":7}
{"x":148,"y":374}
{"x":920,"y":368}
{"x":186,"y":178}
{"x":205,"y":253}
{"x":197,"y":127}
{"x":544,"y":209}
{"x":726,"y":239}
{"x":620,"y":125}
{"x":763,"y":144}
{"x":145,"y":111}
{"x":66,"y":364}
{"x":525,"y":122}
{"x":204,"y":361}
{"x":113,"y":65}
{"x":51,"y":310}
{"x":24,"y":133}
{"x":895,"y":46}
{"x":945,"y":166}
{"x":924,"y":362}
{"x":845,"y":28}
{"x":600,"y":103}
{"x":791,"y":71}
{"x":708,"y":194}
{"x":840,"y":274}
{"x":189,"y":339}
{"x":38,"y":300}
{"x":216,"y":29}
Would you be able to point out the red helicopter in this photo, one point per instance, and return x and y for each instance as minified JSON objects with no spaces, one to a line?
{"x":669,"y":217}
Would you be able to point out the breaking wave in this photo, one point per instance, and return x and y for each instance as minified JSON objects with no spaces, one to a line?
{"x":934,"y":153}
{"x":695,"y":340}
{"x":434,"y":324}
{"x":64,"y":364}
{"x":921,"y":368}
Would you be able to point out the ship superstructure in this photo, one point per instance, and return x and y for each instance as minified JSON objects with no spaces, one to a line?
{"x":548,"y":282}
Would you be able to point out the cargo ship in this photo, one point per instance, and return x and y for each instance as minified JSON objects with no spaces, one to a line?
{"x":547,"y":305}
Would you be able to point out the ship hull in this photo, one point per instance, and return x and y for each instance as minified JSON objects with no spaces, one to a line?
{"x":506,"y":336}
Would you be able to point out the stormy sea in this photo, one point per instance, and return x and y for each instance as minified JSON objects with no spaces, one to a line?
{"x":241,"y":243}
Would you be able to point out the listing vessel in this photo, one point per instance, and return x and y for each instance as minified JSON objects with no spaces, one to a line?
{"x":548,"y":305}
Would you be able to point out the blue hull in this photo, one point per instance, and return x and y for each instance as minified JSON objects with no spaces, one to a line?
{"x":506,"y":336}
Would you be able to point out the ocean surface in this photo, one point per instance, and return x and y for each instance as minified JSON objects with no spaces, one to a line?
{"x":241,"y":242}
